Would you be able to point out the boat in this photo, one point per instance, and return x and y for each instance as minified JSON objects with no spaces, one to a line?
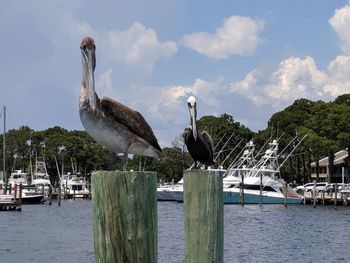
{"x":253,"y":174}
{"x":74,"y":185}
{"x":170,"y":192}
{"x":18,"y":177}
{"x":260,"y":182}
{"x":30,"y":194}
{"x":41,"y":179}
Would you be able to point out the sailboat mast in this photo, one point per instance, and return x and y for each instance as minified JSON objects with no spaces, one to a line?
{"x":4,"y":148}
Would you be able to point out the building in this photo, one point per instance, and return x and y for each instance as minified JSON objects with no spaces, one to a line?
{"x":339,"y":167}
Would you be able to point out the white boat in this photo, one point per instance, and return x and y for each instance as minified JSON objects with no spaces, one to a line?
{"x":170,"y":192}
{"x":29,"y":194}
{"x":18,"y":177}
{"x":261,"y":182}
{"x":41,"y":179}
{"x":74,"y":184}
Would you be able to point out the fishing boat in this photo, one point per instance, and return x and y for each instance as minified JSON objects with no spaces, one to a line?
{"x":41,"y":179}
{"x":30,"y":195}
{"x":74,"y":185}
{"x":260,"y":181}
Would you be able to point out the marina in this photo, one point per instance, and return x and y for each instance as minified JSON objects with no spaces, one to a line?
{"x":269,"y":233}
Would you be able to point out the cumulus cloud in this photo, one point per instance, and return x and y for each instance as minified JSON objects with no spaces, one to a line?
{"x":295,"y":78}
{"x":238,"y":35}
{"x":104,"y":83}
{"x":340,"y":22}
{"x":137,"y":45}
{"x":167,"y":104}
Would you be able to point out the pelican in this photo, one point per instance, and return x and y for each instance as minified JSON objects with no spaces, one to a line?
{"x":199,"y":143}
{"x":112,"y":124}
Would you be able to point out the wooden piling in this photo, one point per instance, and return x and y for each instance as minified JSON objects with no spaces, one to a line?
{"x":336,"y":195}
{"x":286,"y":194}
{"x":59,"y":194}
{"x":203,"y":209}
{"x":50,"y":195}
{"x":323,"y":197}
{"x":314,"y":194}
{"x":125,"y":216}
{"x":261,"y":188}
{"x":241,"y":192}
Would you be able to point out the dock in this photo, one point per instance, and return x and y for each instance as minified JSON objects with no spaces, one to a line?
{"x":324,"y":198}
{"x":10,"y":205}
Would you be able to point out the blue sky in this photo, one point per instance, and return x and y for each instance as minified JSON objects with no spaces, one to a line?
{"x":245,"y":58}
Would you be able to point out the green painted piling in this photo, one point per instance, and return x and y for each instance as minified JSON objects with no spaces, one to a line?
{"x":125,"y":216}
{"x":203,"y":208}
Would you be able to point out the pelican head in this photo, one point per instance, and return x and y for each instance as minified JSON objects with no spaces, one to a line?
{"x":191,"y":103}
{"x":88,"y":61}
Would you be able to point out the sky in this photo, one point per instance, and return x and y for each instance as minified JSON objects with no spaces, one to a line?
{"x":246,"y":58}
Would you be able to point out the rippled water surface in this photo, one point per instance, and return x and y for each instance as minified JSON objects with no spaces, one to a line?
{"x":272,"y":233}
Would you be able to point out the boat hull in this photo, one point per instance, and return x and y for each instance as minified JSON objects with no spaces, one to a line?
{"x":233,"y":197}
{"x":34,"y":199}
{"x":253,"y":197}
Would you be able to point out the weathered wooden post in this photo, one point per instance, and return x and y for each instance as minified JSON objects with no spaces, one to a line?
{"x":336,"y":195}
{"x":20,"y":196}
{"x":261,"y":188}
{"x":241,"y":192}
{"x":59,"y":194}
{"x":323,"y":197}
{"x":203,"y":203}
{"x":125,"y":216}
{"x":50,"y":195}
{"x":286,"y":194}
{"x":314,"y":194}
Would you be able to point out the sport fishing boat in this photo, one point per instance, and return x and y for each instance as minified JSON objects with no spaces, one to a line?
{"x":260,"y":182}
{"x":29,"y":194}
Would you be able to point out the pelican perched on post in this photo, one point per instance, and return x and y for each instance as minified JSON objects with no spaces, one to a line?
{"x":112,"y":124}
{"x":199,"y":143}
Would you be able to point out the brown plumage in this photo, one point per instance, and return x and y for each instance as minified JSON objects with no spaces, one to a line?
{"x":109,"y":122}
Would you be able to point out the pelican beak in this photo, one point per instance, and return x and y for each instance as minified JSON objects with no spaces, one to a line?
{"x":193,"y":115}
{"x":88,"y":60}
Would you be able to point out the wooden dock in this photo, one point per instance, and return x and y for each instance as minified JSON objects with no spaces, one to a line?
{"x":324,"y":198}
{"x":10,"y":205}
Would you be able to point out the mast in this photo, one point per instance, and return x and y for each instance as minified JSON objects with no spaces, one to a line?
{"x":4,"y":148}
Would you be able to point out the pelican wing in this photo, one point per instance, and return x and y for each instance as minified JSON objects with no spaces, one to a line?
{"x":209,"y":141}
{"x":131,"y":119}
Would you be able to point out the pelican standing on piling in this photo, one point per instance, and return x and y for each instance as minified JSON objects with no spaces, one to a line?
{"x":112,"y":124}
{"x":199,"y":143}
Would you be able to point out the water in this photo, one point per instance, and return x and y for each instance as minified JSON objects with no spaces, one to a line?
{"x":43,"y":233}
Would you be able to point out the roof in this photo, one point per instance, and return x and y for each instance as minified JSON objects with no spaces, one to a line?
{"x":338,"y":159}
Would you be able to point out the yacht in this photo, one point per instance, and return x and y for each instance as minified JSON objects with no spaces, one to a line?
{"x":260,"y":182}
{"x":41,"y":179}
{"x":29,"y":194}
{"x":74,"y":184}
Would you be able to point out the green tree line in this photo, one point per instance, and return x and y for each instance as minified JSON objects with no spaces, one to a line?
{"x":326,"y":124}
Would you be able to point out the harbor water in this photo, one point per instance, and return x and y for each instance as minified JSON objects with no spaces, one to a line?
{"x":271,"y":233}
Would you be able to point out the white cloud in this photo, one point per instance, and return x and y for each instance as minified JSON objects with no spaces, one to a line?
{"x":295,"y":78}
{"x":104,"y":84}
{"x":339,"y":80}
{"x":340,"y":22}
{"x":238,"y":35}
{"x":137,"y":46}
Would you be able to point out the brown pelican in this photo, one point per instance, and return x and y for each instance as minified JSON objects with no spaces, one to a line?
{"x":199,"y":143}
{"x":112,"y":124}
